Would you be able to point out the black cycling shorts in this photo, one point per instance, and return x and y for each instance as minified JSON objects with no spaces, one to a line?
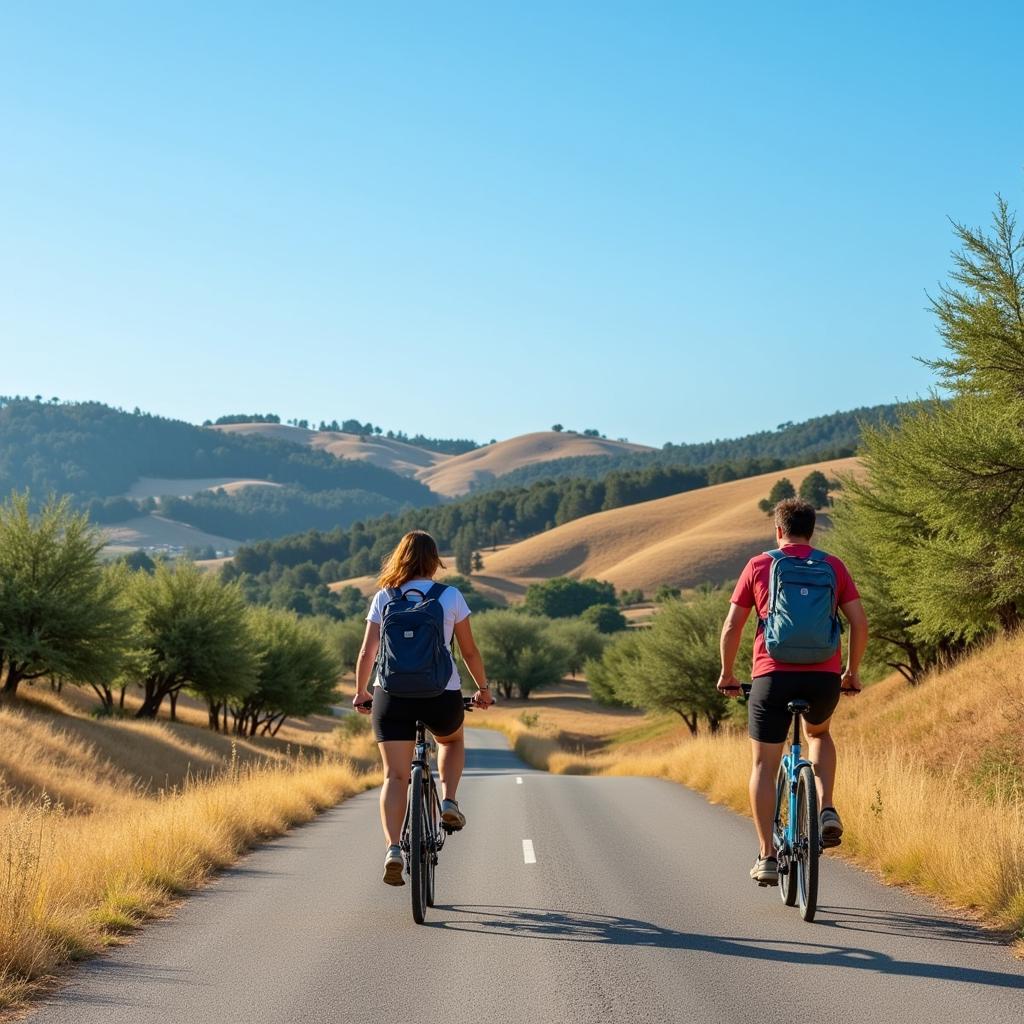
{"x":395,"y":718}
{"x":768,"y":719}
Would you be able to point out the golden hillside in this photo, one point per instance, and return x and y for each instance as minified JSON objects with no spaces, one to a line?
{"x":682,"y":540}
{"x":458,"y":474}
{"x":399,"y":457}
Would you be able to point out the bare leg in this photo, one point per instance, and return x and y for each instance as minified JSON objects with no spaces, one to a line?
{"x":451,"y":760}
{"x":821,"y":751}
{"x":394,"y":794}
{"x":767,"y":757}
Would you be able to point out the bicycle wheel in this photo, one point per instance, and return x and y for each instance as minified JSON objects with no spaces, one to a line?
{"x":431,"y":843}
{"x":808,"y":842}
{"x":787,"y":875}
{"x":418,"y":854}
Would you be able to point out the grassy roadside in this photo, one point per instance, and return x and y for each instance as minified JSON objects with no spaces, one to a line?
{"x":931,"y":778}
{"x":106,"y":848}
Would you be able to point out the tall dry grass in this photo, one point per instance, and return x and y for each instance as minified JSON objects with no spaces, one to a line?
{"x":103,"y":823}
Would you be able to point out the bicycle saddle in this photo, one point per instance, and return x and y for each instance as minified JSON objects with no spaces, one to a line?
{"x":798,"y":707}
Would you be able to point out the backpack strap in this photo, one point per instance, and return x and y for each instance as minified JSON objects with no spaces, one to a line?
{"x":435,"y":592}
{"x":776,"y":555}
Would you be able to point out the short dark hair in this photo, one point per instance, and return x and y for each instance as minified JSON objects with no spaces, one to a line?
{"x":795,"y":517}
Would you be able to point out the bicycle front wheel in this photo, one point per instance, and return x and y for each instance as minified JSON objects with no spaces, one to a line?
{"x":787,"y":869}
{"x":808,"y":842}
{"x":431,"y":842}
{"x":418,"y":853}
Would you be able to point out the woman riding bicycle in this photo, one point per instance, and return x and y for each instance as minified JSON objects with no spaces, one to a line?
{"x":411,"y":567}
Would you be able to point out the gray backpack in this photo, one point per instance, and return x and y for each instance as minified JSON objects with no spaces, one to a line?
{"x":413,"y":660}
{"x":802,"y":626}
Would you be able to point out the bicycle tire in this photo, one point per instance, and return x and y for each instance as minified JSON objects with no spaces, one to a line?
{"x":810,"y":842}
{"x":787,"y":873}
{"x":417,"y":846}
{"x":431,"y":844}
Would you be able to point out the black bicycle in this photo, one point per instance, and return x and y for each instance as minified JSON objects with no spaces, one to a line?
{"x":423,"y":831}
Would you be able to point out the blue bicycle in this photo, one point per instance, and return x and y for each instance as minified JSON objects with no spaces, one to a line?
{"x":796,"y":830}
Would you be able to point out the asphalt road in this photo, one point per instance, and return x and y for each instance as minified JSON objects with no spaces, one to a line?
{"x":638,"y":907}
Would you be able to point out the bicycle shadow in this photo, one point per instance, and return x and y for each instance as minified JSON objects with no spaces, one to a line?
{"x":913,"y":926}
{"x":560,"y":926}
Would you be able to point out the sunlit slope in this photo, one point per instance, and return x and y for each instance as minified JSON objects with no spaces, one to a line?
{"x":399,"y":457}
{"x":156,"y":531}
{"x":460,"y":473}
{"x":682,"y":540}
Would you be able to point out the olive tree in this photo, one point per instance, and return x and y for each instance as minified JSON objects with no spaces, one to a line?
{"x":191,"y":631}
{"x":60,"y":613}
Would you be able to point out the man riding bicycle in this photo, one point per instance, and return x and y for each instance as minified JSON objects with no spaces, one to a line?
{"x":776,"y":682}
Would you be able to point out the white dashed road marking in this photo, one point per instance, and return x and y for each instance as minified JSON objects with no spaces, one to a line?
{"x":519,"y":780}
{"x":529,"y":857}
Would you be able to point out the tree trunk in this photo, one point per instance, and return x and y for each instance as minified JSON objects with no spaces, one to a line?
{"x":124,"y":690}
{"x":173,"y":696}
{"x":214,"y":715}
{"x":156,"y":690}
{"x":281,"y":721}
{"x":689,"y":718}
{"x":105,"y":695}
{"x":14,"y":676}
{"x":1009,"y":617}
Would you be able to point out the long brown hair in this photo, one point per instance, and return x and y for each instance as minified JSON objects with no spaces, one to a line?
{"x":415,"y":558}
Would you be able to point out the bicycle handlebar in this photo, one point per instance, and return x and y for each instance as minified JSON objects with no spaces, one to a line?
{"x":468,"y":703}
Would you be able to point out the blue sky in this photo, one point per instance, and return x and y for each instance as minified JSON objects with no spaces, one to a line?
{"x":668,"y":221}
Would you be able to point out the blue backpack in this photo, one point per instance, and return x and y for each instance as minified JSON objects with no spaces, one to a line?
{"x":802,"y":626}
{"x":413,"y":660}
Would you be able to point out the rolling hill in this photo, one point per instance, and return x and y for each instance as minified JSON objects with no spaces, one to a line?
{"x":683,"y":540}
{"x":459,"y":474}
{"x":388,"y":453}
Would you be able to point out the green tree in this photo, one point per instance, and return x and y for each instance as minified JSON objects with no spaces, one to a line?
{"x":297,"y":673}
{"x":562,"y":597}
{"x":343,"y":640}
{"x":666,"y":593}
{"x":60,"y":613}
{"x":558,"y":428}
{"x":191,"y":631}
{"x":582,"y":639}
{"x":617,"y":671}
{"x":954,"y":467}
{"x":814,"y":488}
{"x":605,"y":617}
{"x":679,"y":661}
{"x":464,"y":546}
{"x":520,"y":652}
{"x":873,"y":535}
{"x":478,"y":562}
{"x":781,"y":489}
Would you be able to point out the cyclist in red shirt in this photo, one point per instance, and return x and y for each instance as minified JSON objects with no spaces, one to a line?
{"x":776,"y":683}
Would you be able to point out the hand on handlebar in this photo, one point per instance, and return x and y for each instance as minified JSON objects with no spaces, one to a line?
{"x":850,"y":686}
{"x":483,"y":699}
{"x":729,"y":686}
{"x":362,"y":702}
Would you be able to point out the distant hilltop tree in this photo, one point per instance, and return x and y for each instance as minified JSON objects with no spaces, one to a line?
{"x":781,"y":490}
{"x":244,"y":417}
{"x":557,"y":428}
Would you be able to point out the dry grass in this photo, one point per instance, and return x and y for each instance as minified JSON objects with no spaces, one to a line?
{"x":930,"y":782}
{"x":105,"y":822}
{"x":682,"y":540}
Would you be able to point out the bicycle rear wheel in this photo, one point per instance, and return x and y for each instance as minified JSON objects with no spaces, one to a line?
{"x":418,"y":854}
{"x":808,"y":842}
{"x":431,"y":843}
{"x":787,"y":873}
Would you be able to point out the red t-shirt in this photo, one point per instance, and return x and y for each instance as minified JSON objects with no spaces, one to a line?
{"x":752,"y":592}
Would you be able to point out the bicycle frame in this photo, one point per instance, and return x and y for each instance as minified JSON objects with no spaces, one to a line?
{"x":792,"y":762}
{"x":421,"y":759}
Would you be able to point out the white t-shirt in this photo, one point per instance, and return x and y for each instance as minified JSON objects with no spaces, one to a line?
{"x":455,"y":610}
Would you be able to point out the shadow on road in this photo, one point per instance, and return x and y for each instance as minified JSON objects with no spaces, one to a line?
{"x":559,"y":926}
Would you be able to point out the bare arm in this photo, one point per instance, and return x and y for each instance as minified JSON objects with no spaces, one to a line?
{"x":474,"y":661}
{"x":364,"y":665}
{"x":729,"y":645}
{"x":858,"y":620}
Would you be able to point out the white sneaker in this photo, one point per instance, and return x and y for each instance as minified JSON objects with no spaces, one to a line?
{"x":452,"y":816}
{"x":394,"y":865}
